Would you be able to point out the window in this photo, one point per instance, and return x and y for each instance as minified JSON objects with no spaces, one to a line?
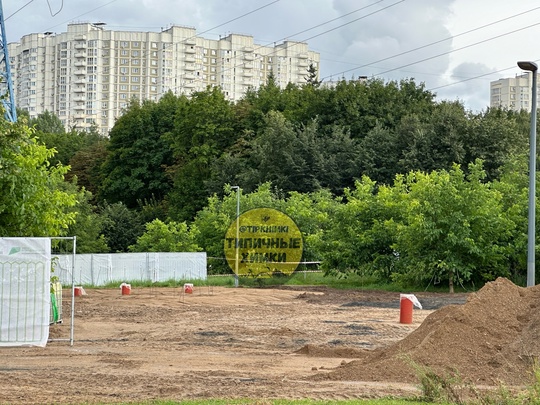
{"x":123,"y":87}
{"x":135,"y":70}
{"x":124,"y":44}
{"x":124,"y":52}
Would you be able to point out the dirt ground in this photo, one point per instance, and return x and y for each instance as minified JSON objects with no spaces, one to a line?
{"x":159,"y":343}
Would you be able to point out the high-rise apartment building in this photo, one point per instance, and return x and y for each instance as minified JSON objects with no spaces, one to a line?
{"x":87,"y":75}
{"x":512,"y":93}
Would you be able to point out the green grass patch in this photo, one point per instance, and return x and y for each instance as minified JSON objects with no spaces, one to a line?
{"x":281,"y":402}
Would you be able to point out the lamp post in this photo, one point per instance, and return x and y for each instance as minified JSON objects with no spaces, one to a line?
{"x":237,"y":233}
{"x":531,"y":242}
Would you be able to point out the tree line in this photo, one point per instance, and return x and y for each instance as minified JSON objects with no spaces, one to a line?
{"x":379,"y":176}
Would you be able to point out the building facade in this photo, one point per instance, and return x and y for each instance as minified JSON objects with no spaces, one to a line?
{"x":87,"y":75}
{"x":513,"y":93}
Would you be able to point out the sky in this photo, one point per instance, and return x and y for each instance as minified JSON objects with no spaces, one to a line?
{"x":455,"y":47}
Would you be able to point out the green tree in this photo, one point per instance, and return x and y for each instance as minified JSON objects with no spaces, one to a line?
{"x":167,"y":237}
{"x":88,"y":226}
{"x":120,"y":226}
{"x":138,"y":157}
{"x":204,"y":129}
{"x":32,"y":199}
{"x":363,"y":231}
{"x":454,"y":228}
{"x":312,"y":76}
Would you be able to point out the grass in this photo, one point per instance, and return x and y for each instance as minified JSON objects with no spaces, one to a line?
{"x":281,"y":402}
{"x":299,"y":278}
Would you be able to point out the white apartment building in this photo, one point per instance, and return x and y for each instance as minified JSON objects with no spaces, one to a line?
{"x":87,"y":75}
{"x":512,"y":93}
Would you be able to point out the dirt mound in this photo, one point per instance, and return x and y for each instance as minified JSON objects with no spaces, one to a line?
{"x":324,"y":351}
{"x":491,"y":339}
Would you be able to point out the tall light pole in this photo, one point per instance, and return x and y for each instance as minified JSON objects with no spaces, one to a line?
{"x":237,"y":241}
{"x":531,"y":242}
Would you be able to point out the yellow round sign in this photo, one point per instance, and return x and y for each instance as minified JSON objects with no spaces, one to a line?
{"x":262,"y":242}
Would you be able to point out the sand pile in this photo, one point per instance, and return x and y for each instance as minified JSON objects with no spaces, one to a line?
{"x":493,"y":338}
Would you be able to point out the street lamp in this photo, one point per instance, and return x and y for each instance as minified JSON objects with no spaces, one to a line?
{"x":531,"y":242}
{"x":237,"y":241}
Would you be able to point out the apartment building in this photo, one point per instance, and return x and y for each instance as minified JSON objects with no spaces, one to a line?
{"x":87,"y":75}
{"x":512,"y":93}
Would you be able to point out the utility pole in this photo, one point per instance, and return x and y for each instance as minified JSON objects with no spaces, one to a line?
{"x":6,"y":85}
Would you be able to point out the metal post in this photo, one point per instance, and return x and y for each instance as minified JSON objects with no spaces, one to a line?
{"x":237,"y":234}
{"x":531,"y":241}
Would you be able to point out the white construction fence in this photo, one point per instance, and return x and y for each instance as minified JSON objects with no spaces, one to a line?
{"x":25,"y":298}
{"x":101,"y":269}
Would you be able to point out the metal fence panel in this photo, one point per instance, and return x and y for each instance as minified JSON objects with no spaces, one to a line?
{"x":101,"y":269}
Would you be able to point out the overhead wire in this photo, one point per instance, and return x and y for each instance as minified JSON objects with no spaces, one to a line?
{"x":50,"y":9}
{"x":437,"y":42}
{"x":7,"y":18}
{"x":314,"y":36}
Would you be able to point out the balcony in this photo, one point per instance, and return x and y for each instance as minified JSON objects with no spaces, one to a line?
{"x":302,"y":56}
{"x":80,"y":46}
{"x":248,"y":65}
{"x":79,"y":90}
{"x":189,"y":76}
{"x":247,"y":74}
{"x":190,"y":41}
{"x":80,"y":55}
{"x":79,"y":107}
{"x":190,"y":59}
{"x":80,"y":81}
{"x":248,"y":49}
{"x":303,"y":63}
{"x":248,"y":56}
{"x":190,"y":50}
{"x":80,"y":63}
{"x":79,"y":98}
{"x":80,"y":72}
{"x":190,"y":67}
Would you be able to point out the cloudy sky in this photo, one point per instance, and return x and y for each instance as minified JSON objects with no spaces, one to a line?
{"x":456,"y":47}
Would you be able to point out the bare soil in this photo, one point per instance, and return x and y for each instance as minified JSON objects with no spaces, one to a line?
{"x":293,"y":343}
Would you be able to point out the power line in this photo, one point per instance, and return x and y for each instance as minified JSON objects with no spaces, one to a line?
{"x":7,"y":18}
{"x":50,"y":9}
{"x":434,"y":43}
{"x":314,"y":36}
{"x":473,"y":78}
{"x":80,"y":15}
{"x":458,"y":49}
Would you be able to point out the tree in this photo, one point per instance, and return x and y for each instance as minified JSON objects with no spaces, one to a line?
{"x":32,"y":199}
{"x":204,"y":128}
{"x":362,"y":232}
{"x":167,"y":237}
{"x":139,"y":157}
{"x":121,"y":227}
{"x":312,"y":76}
{"x":454,"y":227}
